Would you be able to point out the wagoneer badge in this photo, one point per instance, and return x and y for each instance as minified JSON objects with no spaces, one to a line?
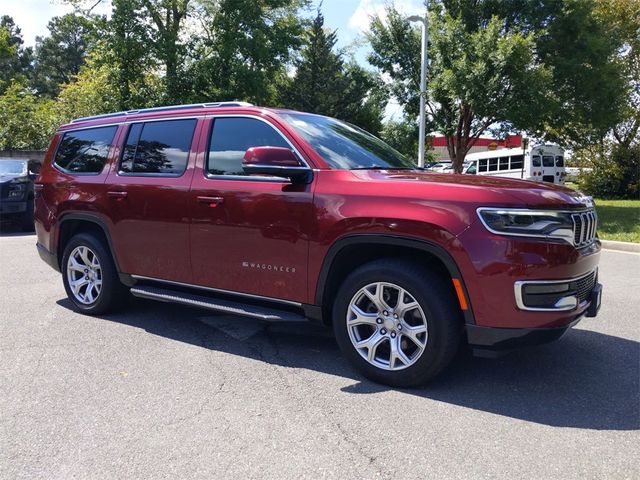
{"x":267,"y":266}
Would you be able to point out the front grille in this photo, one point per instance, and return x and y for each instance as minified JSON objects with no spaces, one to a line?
{"x":583,"y":286}
{"x":584,"y":227}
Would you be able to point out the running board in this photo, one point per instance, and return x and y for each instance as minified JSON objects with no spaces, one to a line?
{"x":219,"y":305}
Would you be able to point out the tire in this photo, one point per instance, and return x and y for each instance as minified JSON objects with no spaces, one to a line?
{"x":426,"y":331}
{"x":26,"y":220}
{"x":90,"y":251}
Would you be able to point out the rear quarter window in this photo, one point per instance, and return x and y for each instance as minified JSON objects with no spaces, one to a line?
{"x":84,"y":151}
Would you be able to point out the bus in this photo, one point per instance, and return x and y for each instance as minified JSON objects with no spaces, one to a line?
{"x":540,"y":163}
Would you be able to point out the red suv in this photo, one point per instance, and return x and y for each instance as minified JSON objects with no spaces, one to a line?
{"x":288,"y":216}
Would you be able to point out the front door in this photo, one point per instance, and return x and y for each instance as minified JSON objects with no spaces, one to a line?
{"x":149,"y":199}
{"x":249,"y":234}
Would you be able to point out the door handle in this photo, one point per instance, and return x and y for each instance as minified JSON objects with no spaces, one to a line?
{"x":117,"y":194}
{"x":211,"y":201}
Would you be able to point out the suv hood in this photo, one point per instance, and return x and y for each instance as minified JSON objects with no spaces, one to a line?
{"x":7,"y":177}
{"x":483,"y":189}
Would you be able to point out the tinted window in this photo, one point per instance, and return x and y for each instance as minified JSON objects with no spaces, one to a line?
{"x":158,"y":147}
{"x":547,"y":161}
{"x":483,"y":166}
{"x":504,"y":163}
{"x":517,"y":162}
{"x":471,"y":170}
{"x":230,"y":139}
{"x":537,"y":161}
{"x":345,"y":146}
{"x":559,"y":161}
{"x":493,"y":164}
{"x":85,"y":151}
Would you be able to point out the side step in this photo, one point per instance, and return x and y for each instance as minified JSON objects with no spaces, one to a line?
{"x":219,"y":305}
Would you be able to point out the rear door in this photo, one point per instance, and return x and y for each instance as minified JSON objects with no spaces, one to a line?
{"x":249,"y":234}
{"x":149,"y":198}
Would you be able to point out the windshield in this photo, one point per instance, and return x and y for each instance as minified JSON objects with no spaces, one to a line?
{"x":13,"y":167}
{"x":345,"y":146}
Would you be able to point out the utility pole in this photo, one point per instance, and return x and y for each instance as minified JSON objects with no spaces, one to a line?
{"x":423,"y":82}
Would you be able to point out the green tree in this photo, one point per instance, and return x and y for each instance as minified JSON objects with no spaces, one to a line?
{"x":61,"y":55}
{"x":542,"y":67}
{"x":15,"y":59}
{"x":324,"y":84}
{"x":127,"y":52}
{"x":245,"y":50}
{"x":26,"y":122}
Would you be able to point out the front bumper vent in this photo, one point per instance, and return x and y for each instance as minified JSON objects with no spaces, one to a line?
{"x":555,"y":295}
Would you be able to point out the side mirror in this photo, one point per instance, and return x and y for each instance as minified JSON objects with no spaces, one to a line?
{"x":277,"y":162}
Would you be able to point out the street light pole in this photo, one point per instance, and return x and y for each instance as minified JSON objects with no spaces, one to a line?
{"x":423,"y":84}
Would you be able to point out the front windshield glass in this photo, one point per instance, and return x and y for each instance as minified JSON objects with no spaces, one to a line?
{"x":12,"y":167}
{"x":345,"y":146}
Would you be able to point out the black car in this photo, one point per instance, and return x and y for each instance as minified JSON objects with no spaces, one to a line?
{"x":17,"y":190}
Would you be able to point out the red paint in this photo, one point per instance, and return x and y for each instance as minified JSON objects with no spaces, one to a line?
{"x":270,"y":238}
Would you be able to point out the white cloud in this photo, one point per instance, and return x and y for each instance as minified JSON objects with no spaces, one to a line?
{"x":32,"y":16}
{"x":361,"y":17}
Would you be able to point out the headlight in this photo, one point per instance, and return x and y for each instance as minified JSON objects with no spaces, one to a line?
{"x":16,"y":190}
{"x":529,"y":223}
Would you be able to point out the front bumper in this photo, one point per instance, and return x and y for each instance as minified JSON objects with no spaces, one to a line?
{"x":491,"y":342}
{"x":10,"y":207}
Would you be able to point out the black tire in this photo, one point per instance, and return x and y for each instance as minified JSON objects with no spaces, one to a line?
{"x":113,"y":293}
{"x":440,"y":307}
{"x":26,"y":220}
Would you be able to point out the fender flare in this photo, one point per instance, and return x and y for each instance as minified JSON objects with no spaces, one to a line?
{"x":96,"y":220}
{"x":381,"y":239}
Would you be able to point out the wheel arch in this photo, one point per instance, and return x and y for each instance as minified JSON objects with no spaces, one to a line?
{"x":352,"y":251}
{"x":72,"y":223}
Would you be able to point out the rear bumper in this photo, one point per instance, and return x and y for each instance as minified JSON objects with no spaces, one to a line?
{"x":49,"y":258}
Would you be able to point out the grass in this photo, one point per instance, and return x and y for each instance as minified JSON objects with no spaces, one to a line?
{"x":619,"y":220}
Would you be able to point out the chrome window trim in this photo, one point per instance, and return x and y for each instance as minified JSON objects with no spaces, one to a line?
{"x":218,"y":290}
{"x":519,"y":284}
{"x":533,"y":212}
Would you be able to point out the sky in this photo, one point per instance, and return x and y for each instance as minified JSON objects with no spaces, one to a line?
{"x":350,"y":18}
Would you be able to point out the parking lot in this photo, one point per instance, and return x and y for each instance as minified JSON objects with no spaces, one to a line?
{"x":163,"y":391}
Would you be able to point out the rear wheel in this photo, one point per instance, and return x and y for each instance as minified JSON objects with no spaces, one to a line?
{"x":90,"y":277}
{"x":398,"y":323}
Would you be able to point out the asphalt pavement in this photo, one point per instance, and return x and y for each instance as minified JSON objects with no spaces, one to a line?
{"x":164,"y":391}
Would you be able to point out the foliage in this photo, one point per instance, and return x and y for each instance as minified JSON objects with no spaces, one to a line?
{"x":25,"y":121}
{"x":245,"y":49}
{"x":403,"y":136}
{"x":323,"y":84}
{"x":60,"y":56}
{"x":547,"y":68}
{"x":15,"y":60}
{"x":615,"y":172}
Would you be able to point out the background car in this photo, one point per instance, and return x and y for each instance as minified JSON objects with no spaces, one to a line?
{"x":17,"y":190}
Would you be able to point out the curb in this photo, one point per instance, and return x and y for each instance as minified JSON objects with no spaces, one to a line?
{"x":621,"y":246}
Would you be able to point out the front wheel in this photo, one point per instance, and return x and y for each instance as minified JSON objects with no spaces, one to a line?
{"x":90,"y":276}
{"x":397,"y":323}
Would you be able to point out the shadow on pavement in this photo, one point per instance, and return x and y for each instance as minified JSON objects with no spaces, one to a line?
{"x":586,"y":380}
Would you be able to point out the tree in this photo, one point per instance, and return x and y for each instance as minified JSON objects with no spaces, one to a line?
{"x":127,"y":53}
{"x":15,"y":60}
{"x":324,"y":84}
{"x":245,"y":50}
{"x":26,"y":122}
{"x":61,"y":55}
{"x":545,"y":68}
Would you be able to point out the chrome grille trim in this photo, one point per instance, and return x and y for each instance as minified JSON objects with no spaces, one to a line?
{"x":585,"y":225}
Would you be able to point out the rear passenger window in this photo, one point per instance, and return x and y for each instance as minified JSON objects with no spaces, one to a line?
{"x":230,"y":139}
{"x":547,"y":161}
{"x":536,"y":161}
{"x":85,"y":151}
{"x":158,"y":147}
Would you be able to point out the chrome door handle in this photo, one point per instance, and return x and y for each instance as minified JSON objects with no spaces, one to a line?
{"x":117,"y":194}
{"x":211,"y":201}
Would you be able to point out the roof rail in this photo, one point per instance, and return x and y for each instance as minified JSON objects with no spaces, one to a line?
{"x":168,"y":107}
